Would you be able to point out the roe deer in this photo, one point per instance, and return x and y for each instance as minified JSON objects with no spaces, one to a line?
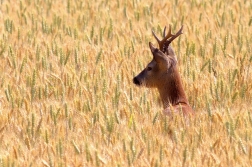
{"x":162,"y":73}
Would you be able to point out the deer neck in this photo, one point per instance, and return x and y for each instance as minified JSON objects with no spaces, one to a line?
{"x":171,"y":90}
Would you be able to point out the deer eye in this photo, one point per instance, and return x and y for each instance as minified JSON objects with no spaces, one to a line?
{"x":149,"y":68}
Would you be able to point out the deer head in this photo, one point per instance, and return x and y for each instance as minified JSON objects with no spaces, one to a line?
{"x":162,"y":73}
{"x":163,"y":62}
{"x":161,"y":65}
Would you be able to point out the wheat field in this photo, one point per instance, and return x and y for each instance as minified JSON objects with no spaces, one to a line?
{"x":67,"y":97}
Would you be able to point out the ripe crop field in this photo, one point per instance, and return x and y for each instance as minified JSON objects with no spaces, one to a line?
{"x":67,"y":96}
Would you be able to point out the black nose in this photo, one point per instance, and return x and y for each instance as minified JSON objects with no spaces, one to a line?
{"x":135,"y":80}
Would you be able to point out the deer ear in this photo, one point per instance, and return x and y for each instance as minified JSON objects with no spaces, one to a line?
{"x":159,"y":57}
{"x":152,"y":47}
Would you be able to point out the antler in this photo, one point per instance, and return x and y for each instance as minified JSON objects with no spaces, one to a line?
{"x":164,"y":43}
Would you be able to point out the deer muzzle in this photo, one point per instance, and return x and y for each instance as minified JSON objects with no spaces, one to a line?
{"x":136,"y":81}
{"x":140,"y":78}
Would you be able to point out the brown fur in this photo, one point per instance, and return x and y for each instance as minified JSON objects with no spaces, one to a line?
{"x":162,"y":73}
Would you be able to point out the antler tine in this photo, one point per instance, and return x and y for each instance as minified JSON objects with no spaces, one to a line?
{"x":167,"y":43}
{"x":153,"y":33}
{"x":164,"y":43}
{"x":168,"y":35}
{"x":165,"y":37}
{"x":176,"y":35}
{"x":164,"y":32}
